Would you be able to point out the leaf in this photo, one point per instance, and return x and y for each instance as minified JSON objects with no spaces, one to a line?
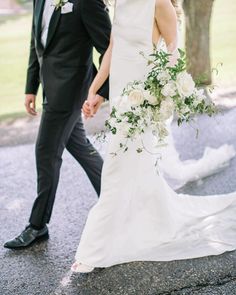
{"x":114,"y":130}
{"x":139,"y":150}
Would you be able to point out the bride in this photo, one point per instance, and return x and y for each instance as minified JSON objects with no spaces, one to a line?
{"x":138,"y":216}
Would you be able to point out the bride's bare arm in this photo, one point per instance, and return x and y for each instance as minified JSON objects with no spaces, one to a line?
{"x":167,"y":23}
{"x":104,"y":70}
{"x":94,"y":101}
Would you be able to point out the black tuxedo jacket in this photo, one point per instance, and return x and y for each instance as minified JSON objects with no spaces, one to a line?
{"x":65,"y":66}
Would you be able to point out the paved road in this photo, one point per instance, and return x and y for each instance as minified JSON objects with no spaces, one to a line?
{"x":44,"y":269}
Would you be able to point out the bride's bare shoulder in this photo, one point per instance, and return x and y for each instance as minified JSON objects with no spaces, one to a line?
{"x":165,"y":9}
{"x":163,"y":4}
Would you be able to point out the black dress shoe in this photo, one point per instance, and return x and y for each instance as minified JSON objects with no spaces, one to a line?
{"x":28,"y":237}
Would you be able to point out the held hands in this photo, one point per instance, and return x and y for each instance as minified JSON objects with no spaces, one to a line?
{"x":91,"y":105}
{"x":30,"y":104}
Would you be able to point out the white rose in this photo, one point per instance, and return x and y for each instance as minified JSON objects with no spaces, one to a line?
{"x":150,"y":98}
{"x":166,"y":109}
{"x":136,"y":97}
{"x":169,"y":89}
{"x":185,"y":84}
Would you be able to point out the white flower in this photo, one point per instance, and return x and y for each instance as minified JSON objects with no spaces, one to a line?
{"x":136,"y":85}
{"x":113,"y":122}
{"x":163,"y":77}
{"x":124,"y":105}
{"x":169,"y":89}
{"x":56,"y":2}
{"x":136,"y":97}
{"x":166,"y":109}
{"x":59,"y":3}
{"x":162,"y":131}
{"x":124,"y":128}
{"x":185,"y":84}
{"x":199,"y":96}
{"x":150,"y":98}
{"x":139,"y":86}
{"x":184,"y":109}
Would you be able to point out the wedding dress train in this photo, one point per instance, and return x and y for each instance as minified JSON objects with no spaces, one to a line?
{"x":179,"y":173}
{"x":138,"y":216}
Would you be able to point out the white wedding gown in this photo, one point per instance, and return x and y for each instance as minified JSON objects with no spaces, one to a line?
{"x":138,"y":216}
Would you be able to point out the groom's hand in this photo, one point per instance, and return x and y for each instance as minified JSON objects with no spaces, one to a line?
{"x":30,"y":105}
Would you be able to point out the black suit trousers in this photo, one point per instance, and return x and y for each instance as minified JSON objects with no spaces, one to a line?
{"x":60,"y":130}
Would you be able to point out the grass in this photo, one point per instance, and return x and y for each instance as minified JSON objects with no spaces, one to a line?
{"x":14,"y":46}
{"x":223,"y":32}
{"x":14,"y":40}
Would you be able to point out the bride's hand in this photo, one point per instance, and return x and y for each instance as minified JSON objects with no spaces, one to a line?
{"x":96,"y":103}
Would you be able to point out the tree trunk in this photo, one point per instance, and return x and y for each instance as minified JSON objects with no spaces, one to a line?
{"x":197,"y":39}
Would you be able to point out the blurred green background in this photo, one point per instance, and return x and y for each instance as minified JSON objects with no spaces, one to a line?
{"x":14,"y":47}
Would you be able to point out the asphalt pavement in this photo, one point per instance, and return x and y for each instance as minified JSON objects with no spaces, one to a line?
{"x":45,"y":268}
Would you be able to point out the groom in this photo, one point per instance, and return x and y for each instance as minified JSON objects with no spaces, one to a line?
{"x":61,"y":58}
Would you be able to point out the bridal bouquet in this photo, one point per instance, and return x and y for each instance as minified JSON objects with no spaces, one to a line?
{"x":167,"y":90}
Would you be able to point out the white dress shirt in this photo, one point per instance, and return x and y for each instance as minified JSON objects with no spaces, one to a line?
{"x":47,"y":14}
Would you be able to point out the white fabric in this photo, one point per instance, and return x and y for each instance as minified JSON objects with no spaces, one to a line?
{"x":138,"y":216}
{"x":47,"y":15}
{"x":175,"y":170}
